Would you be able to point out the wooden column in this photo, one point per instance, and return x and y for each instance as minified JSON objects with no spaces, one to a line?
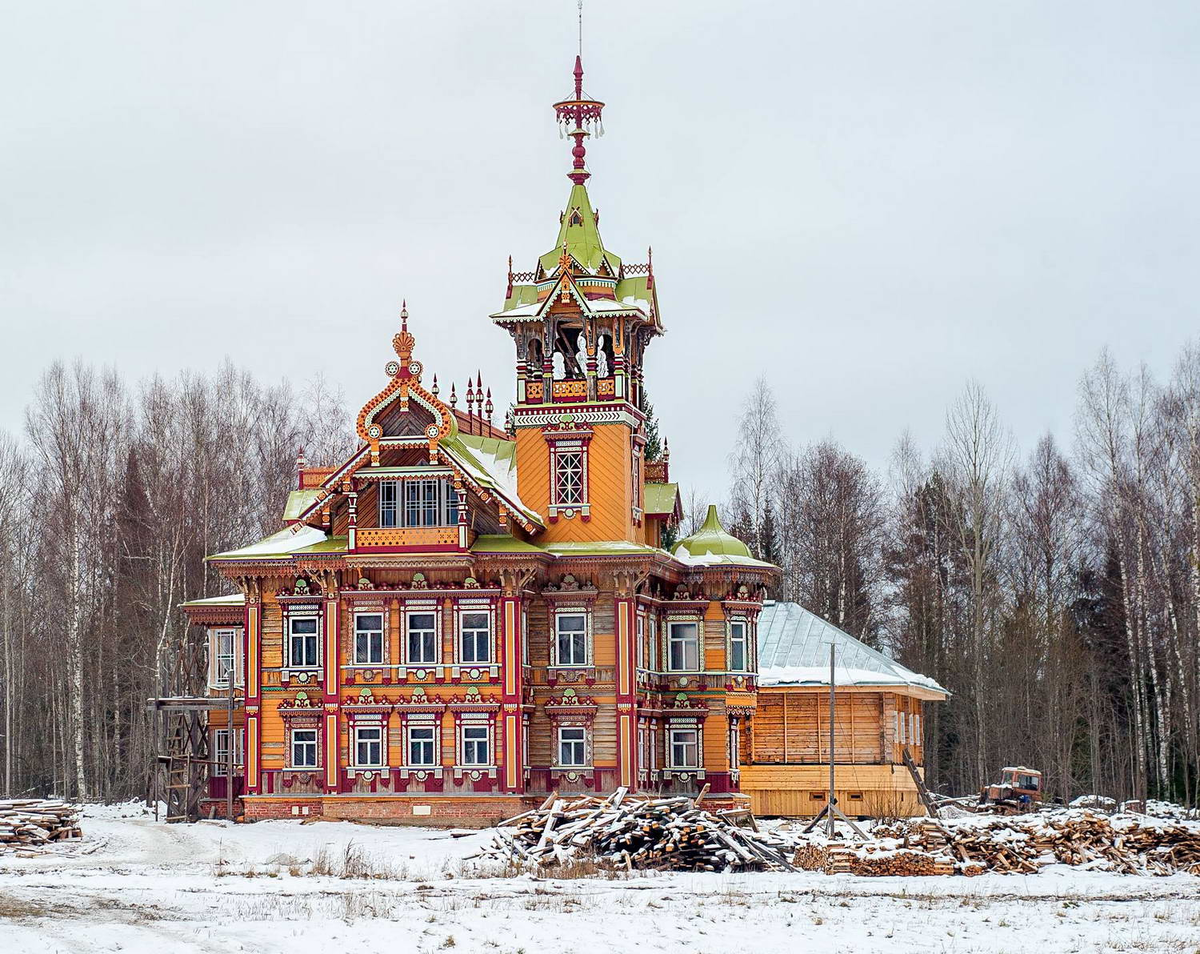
{"x":512,"y":717}
{"x":331,"y":666}
{"x":625,"y":616}
{"x":252,"y":674}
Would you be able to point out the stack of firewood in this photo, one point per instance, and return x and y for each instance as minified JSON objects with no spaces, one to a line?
{"x":37,"y":821}
{"x":1015,"y":844}
{"x":648,"y":833}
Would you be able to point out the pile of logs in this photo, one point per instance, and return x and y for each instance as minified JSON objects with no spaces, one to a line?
{"x":619,"y":831}
{"x":1021,"y":844}
{"x":36,"y":821}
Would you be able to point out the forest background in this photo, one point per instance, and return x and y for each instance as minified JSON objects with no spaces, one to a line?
{"x":1054,"y":589}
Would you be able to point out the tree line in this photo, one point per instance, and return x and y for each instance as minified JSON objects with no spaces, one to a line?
{"x":1055,"y":592}
{"x":109,"y":502}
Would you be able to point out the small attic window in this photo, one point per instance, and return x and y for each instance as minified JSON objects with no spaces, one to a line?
{"x":575,"y":218}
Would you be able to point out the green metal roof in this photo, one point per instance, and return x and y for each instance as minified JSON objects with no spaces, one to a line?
{"x":660,"y":498}
{"x":298,"y":501}
{"x":291,"y":541}
{"x":711,"y":544}
{"x":502,"y":543}
{"x":568,"y":548}
{"x":582,"y":239}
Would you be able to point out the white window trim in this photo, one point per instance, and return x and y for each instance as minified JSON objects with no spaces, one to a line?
{"x":570,"y":446}
{"x":435,"y":612}
{"x":239,"y":754}
{"x":460,"y":617}
{"x":491,"y":746}
{"x":291,"y":618}
{"x":372,"y":727}
{"x":316,"y":744}
{"x":671,"y":763}
{"x":747,"y":664}
{"x":383,"y":631}
{"x":698,"y":623}
{"x":236,"y":636}
{"x":436,"y":729}
{"x":588,"y":647}
{"x":585,"y":741}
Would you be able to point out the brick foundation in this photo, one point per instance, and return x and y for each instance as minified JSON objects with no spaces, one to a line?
{"x":448,"y":812}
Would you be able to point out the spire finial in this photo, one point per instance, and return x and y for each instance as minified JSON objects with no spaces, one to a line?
{"x":579,"y":115}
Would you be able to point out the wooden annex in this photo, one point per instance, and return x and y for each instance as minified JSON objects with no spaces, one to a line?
{"x":460,"y":618}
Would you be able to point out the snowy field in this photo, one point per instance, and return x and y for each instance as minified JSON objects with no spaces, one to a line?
{"x":135,"y":885}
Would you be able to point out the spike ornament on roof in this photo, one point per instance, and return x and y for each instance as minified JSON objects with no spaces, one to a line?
{"x":579,"y":116}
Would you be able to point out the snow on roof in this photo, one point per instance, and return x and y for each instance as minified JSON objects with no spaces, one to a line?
{"x":229,"y":599}
{"x":793,"y":650}
{"x":493,"y":463}
{"x":284,"y":543}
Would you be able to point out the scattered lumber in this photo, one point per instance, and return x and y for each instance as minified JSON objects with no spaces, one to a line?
{"x":669,"y":833}
{"x":1022,"y":844}
{"x":36,"y":821}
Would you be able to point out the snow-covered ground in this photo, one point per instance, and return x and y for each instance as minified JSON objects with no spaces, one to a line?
{"x":210,"y":887}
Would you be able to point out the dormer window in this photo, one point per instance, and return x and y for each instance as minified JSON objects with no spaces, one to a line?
{"x":418,"y":503}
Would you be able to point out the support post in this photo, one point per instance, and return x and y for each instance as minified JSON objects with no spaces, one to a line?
{"x":512,"y":640}
{"x":252,"y":675}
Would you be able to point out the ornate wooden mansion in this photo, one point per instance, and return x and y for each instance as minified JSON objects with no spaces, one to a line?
{"x":460,"y":619}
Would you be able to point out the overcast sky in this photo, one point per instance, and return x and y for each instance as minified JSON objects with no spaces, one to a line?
{"x":867,"y":203}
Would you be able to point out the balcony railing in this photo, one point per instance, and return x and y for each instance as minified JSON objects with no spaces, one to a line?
{"x":370,"y":538}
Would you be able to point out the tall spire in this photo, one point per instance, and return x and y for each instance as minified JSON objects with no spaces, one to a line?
{"x":579,"y":116}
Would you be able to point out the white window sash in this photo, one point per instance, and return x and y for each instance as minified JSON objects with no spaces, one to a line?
{"x":427,"y":638}
{"x":475,"y":637}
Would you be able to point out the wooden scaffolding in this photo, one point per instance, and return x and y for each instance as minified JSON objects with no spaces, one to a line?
{"x":179,"y":775}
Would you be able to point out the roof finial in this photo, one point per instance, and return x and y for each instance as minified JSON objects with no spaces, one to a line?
{"x":579,"y":115}
{"x":404,"y":314}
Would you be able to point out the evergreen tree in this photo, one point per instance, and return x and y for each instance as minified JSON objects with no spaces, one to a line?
{"x":769,"y":534}
{"x":653,"y":449}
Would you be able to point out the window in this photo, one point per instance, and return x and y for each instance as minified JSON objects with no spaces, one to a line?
{"x":912,"y":728}
{"x":735,"y":744}
{"x":637,"y":479}
{"x":684,"y":748}
{"x":571,"y":641}
{"x":683,"y":646}
{"x":422,"y":639}
{"x":738,"y":655}
{"x":304,"y":748}
{"x":368,"y":638}
{"x":430,"y":503}
{"x":900,"y":724}
{"x":476,"y":749}
{"x":572,"y":745}
{"x":302,"y":642}
{"x":917,"y":738}
{"x":524,"y":636}
{"x":389,"y":512}
{"x":640,"y":645}
{"x":569,"y":475}
{"x":224,"y":649}
{"x":422,"y":746}
{"x":476,"y":638}
{"x":220,"y":750}
{"x":368,"y":745}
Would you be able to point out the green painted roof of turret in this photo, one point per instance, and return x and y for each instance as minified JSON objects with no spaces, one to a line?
{"x":711,"y":544}
{"x":581,"y":235}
